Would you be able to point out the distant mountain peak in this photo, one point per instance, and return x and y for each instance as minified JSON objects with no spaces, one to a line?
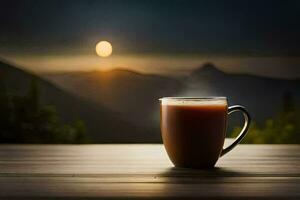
{"x":207,"y":68}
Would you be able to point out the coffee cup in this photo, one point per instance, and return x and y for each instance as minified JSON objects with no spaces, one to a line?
{"x":194,"y":129}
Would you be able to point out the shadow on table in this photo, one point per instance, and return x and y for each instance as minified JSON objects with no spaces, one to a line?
{"x":181,"y":175}
{"x":216,"y":183}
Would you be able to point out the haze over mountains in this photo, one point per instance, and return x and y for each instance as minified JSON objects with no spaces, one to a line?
{"x":132,"y":94}
{"x":262,"y":96}
{"x":136,"y":95}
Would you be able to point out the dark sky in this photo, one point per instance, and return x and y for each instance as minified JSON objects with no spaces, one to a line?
{"x":199,"y":27}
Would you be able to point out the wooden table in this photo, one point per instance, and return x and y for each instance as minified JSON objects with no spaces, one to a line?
{"x":144,"y":171}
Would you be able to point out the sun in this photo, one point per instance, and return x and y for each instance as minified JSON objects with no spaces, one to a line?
{"x":104,"y":49}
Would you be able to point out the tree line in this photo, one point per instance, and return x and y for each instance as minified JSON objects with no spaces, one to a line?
{"x":23,"y":119}
{"x":281,"y":129}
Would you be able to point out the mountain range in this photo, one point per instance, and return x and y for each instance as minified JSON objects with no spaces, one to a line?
{"x":133,"y":95}
{"x":136,"y":95}
{"x":122,"y":105}
{"x":262,"y":96}
{"x":103,"y":125}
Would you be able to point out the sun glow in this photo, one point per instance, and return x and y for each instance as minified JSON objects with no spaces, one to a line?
{"x":104,"y":49}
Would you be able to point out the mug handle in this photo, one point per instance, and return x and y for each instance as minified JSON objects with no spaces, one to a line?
{"x":242,"y":134}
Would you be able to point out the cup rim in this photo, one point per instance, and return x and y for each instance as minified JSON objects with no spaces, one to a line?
{"x":193,"y":98}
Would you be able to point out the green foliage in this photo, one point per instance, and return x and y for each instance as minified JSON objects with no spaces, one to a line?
{"x":24,"y":120}
{"x":283,"y":129}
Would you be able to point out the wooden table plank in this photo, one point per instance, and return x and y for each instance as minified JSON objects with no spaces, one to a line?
{"x":144,"y":171}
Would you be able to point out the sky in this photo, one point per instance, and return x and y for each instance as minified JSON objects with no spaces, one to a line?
{"x":258,"y":37}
